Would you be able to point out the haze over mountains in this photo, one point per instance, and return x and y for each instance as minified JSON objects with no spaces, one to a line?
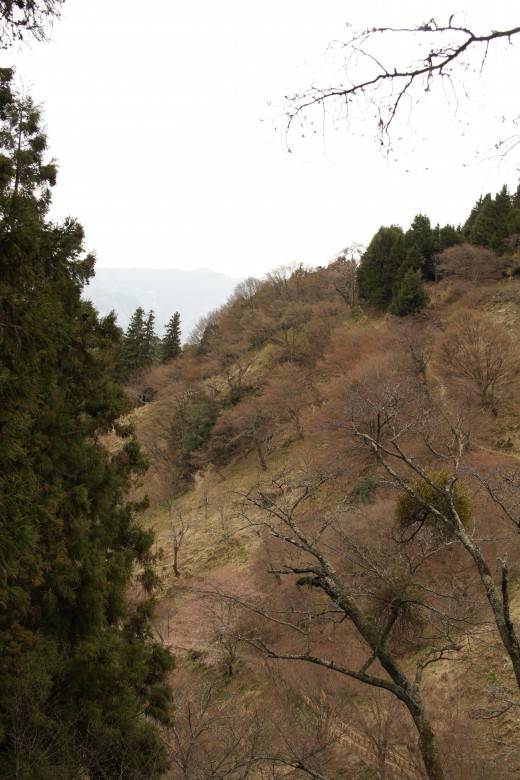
{"x":165,"y":290}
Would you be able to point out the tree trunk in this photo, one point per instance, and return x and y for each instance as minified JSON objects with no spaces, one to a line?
{"x":261,"y":458}
{"x":497,"y":603}
{"x":428,"y":747}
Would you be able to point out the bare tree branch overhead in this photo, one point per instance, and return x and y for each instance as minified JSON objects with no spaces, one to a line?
{"x":383,"y":72}
{"x":20,"y":19}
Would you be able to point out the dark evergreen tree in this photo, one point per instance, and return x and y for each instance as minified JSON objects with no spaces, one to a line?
{"x":446,"y":236}
{"x":171,"y":343}
{"x":430,"y":241}
{"x":466,"y":228}
{"x":491,"y":221}
{"x":139,"y":345}
{"x":411,"y":296}
{"x":414,"y":259}
{"x":482,"y":232}
{"x":380,"y":264}
{"x":422,"y":236}
{"x":131,"y":353}
{"x":150,"y":340}
{"x":79,"y":674}
{"x":514,"y":216}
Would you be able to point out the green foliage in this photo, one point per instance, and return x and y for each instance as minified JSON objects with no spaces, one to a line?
{"x":392,"y":253}
{"x":191,"y":426}
{"x":139,"y":345}
{"x":411,"y":296}
{"x":380,"y":264}
{"x":187,"y":430}
{"x":68,"y":541}
{"x":411,"y":515}
{"x":171,"y":343}
{"x":364,"y":490}
{"x":421,"y":237}
{"x":493,"y":220}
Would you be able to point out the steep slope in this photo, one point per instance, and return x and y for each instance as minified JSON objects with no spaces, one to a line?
{"x":268,"y":445}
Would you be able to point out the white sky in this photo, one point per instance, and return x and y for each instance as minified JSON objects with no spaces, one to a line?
{"x":154,"y":112}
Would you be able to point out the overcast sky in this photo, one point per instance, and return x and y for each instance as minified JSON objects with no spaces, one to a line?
{"x":162,"y":116}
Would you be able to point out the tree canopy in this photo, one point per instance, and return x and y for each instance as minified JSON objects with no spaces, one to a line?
{"x":78,"y":670}
{"x":171,"y":342}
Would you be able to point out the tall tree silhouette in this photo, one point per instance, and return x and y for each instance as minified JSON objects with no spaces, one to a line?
{"x":78,"y":670}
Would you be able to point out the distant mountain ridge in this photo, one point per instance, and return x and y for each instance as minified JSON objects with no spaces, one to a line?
{"x":165,"y":290}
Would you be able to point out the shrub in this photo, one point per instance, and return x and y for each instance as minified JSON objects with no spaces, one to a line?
{"x":364,"y":490}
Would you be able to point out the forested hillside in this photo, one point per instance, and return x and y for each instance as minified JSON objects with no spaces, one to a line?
{"x":286,"y":549}
{"x":334,"y":490}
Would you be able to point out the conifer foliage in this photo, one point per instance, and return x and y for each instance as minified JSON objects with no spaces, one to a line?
{"x":411,"y":296}
{"x":80,"y":679}
{"x":171,"y":343}
{"x":493,"y":220}
{"x":139,"y":345}
{"x":395,"y":263}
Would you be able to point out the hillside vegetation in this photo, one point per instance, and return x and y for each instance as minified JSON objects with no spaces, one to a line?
{"x":334,"y":492}
{"x":288,"y":549}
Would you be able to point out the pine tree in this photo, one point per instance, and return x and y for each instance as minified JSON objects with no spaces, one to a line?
{"x":77,"y":667}
{"x":490,"y":226}
{"x":380,"y":264}
{"x":514,"y":217}
{"x":130,"y":359}
{"x":411,"y":296}
{"x":466,"y":228}
{"x":422,"y":236}
{"x":171,"y":343}
{"x":446,"y":236}
{"x":414,"y":259}
{"x":151,"y":341}
{"x":139,"y":345}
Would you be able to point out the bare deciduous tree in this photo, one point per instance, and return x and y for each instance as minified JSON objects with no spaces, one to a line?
{"x":179,"y":526}
{"x":480,"y":353}
{"x":465,"y":261}
{"x":370,"y":597}
{"x":449,"y":54}
{"x":247,"y":426}
{"x":218,"y":734}
{"x":392,"y":415}
{"x":342,"y":273}
{"x":289,"y":392}
{"x":22,"y":18}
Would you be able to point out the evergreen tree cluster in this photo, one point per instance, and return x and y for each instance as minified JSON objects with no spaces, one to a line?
{"x":141,"y":347}
{"x":81,"y":680}
{"x":396,"y":263}
{"x":493,"y":220}
{"x":391,"y":270}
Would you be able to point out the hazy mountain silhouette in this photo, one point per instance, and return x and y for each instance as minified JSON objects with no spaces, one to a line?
{"x":165,"y":290}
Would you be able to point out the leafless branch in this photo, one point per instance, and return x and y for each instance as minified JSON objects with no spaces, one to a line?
{"x":384,"y":87}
